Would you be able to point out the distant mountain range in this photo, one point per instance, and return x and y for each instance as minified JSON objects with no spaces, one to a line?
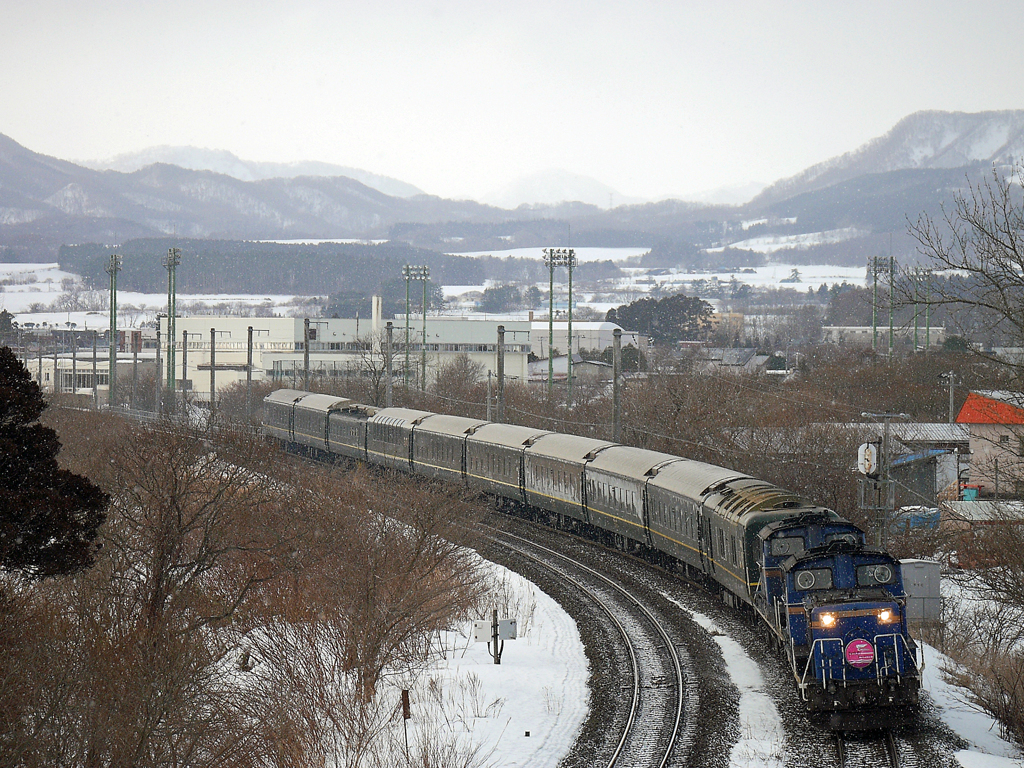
{"x":867,"y":193}
{"x":229,"y":164}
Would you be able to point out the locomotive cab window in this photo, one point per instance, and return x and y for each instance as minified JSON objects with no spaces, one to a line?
{"x":875,"y":575}
{"x":786,"y":545}
{"x":813,"y":578}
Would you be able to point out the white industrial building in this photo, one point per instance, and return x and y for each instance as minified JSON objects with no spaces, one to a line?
{"x":585,"y":335}
{"x":337,"y":347}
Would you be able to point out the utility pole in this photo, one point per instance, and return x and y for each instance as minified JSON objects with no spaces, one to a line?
{"x":892,"y":292}
{"x":951,"y":379}
{"x":389,"y":330}
{"x":213,"y":370}
{"x":879,"y":492}
{"x":423,"y":349}
{"x":305,"y":355}
{"x":616,"y":373}
{"x":248,"y":372}
{"x":157,"y":392}
{"x":95,"y":375}
{"x":501,"y":374}
{"x":136,"y":348}
{"x":184,"y":363}
{"x":112,"y":269}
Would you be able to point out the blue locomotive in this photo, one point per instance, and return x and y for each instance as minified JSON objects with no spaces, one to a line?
{"x":835,"y":605}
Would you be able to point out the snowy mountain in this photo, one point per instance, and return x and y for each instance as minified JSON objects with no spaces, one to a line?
{"x":224,"y":162}
{"x":923,"y":140}
{"x":553,"y":187}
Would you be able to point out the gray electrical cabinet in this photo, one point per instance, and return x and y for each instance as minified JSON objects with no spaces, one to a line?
{"x":922,"y":581}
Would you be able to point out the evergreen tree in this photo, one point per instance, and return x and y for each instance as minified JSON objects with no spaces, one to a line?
{"x":49,"y":517}
{"x":670,"y":319}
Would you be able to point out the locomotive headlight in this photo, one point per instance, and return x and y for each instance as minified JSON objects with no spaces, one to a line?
{"x":885,"y":615}
{"x":827,"y":620}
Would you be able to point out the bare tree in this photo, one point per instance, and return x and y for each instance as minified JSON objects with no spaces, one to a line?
{"x":976,"y":252}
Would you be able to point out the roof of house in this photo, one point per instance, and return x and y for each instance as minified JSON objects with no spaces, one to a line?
{"x":992,"y":407}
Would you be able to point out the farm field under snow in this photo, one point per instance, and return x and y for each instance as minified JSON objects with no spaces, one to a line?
{"x":28,"y":290}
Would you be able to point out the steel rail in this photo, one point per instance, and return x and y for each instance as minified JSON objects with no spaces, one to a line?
{"x":667,"y":640}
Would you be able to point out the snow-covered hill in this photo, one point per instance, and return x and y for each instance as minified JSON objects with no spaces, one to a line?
{"x":930,"y":139}
{"x":553,"y":187}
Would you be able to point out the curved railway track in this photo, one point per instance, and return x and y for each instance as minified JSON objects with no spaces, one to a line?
{"x":654,"y":731}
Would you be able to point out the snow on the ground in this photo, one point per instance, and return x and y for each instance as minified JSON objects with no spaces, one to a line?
{"x":773,"y":243}
{"x":987,"y":749}
{"x":582,"y":254}
{"x":540,"y":686}
{"x":761,"y":741}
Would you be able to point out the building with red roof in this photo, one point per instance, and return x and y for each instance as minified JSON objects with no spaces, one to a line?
{"x":996,"y":422}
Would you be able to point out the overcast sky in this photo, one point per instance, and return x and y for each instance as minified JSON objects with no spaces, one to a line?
{"x":460,"y":98}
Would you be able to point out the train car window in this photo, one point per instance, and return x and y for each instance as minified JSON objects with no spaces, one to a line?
{"x":732,"y":542}
{"x":813,"y":578}
{"x":849,"y":538}
{"x":876,"y":574}
{"x":786,"y":545}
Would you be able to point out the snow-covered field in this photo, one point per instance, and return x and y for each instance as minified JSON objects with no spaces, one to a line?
{"x":29,"y":290}
{"x":525,"y":711}
{"x":582,"y":254}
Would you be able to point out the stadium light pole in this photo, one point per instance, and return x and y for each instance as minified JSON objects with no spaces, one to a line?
{"x":172,"y":260}
{"x":419,"y":272}
{"x":112,"y":269}
{"x":558,"y":257}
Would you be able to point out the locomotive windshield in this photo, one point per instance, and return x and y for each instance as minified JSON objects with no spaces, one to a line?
{"x":875,"y":574}
{"x":813,"y":578}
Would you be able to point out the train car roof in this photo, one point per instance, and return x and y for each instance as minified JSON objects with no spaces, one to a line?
{"x":323,"y":403}
{"x":744,"y":496}
{"x":399,"y":416}
{"x":445,"y":424}
{"x":566,"y":447}
{"x":510,"y":435}
{"x":636,"y":463}
{"x":693,"y":479}
{"x":287,"y":396}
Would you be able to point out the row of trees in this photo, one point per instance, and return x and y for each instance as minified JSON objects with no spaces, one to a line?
{"x":233,"y":609}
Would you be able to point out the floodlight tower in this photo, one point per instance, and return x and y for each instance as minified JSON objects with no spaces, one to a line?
{"x":112,"y":269}
{"x":558,"y":257}
{"x":172,"y":260}
{"x":416,"y":273}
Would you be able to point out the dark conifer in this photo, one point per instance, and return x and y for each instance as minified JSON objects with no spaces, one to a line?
{"x":49,"y":517}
